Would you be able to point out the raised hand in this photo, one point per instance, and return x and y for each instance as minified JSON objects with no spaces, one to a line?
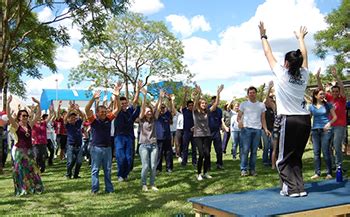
{"x":97,"y":94}
{"x":334,"y":72}
{"x":117,"y":87}
{"x":220,"y":88}
{"x":262,"y":29}
{"x":270,"y":84}
{"x":172,"y":97}
{"x":9,"y":100}
{"x":139,"y":84}
{"x":302,"y":32}
{"x":318,"y":72}
{"x":35,"y":100}
{"x":144,"y":91}
{"x":161,"y":93}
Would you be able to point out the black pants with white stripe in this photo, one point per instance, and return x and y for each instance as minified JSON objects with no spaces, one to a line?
{"x":295,"y":131}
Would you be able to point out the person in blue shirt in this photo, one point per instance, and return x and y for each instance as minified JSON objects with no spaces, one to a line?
{"x":215,"y":123}
{"x":321,"y":131}
{"x":124,"y":141}
{"x":188,"y":131}
{"x":163,"y":122}
{"x":101,"y":150}
{"x":73,"y":121}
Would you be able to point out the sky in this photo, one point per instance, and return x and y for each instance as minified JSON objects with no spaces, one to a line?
{"x":221,"y":39}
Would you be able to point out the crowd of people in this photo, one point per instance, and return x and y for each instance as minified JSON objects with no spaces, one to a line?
{"x":281,"y":125}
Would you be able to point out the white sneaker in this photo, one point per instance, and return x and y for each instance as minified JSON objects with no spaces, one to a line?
{"x":207,"y":176}
{"x":120,"y":179}
{"x":294,"y":195}
{"x":154,"y":188}
{"x":144,"y":188}
{"x":179,"y":159}
{"x":199,"y":177}
{"x":283,"y":193}
{"x":303,"y":194}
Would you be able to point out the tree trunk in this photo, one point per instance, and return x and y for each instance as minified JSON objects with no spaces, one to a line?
{"x":126,"y":88}
{"x":2,"y":98}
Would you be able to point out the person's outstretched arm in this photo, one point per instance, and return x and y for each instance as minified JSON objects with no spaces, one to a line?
{"x":300,"y":36}
{"x":266,"y":46}
{"x":339,"y":81}
{"x":217,"y":100}
{"x":318,"y":78}
{"x":88,"y":106}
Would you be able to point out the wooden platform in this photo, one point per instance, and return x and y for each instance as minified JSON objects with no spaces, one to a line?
{"x":327,"y":198}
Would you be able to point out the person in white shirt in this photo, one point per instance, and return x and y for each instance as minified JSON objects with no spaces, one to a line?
{"x":179,"y":134}
{"x":290,"y":80}
{"x":235,"y":132}
{"x":251,"y":119}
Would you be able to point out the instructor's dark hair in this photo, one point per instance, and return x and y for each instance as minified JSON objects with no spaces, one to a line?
{"x":295,"y":61}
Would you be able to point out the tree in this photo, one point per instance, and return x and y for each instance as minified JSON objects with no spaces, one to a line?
{"x":335,"y":40}
{"x":26,"y":43}
{"x":133,"y":48}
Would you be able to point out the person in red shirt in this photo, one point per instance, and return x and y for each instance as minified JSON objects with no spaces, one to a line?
{"x":338,"y":99}
{"x":60,"y":130}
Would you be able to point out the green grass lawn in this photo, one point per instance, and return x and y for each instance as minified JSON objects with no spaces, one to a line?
{"x":73,"y":197}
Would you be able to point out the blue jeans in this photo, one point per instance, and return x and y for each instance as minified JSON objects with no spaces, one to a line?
{"x":74,"y":157}
{"x":250,"y":139}
{"x":320,"y":140}
{"x":338,"y":133}
{"x":123,"y":153}
{"x":267,"y":151}
{"x":236,"y":141}
{"x":149,"y":158}
{"x":101,"y":156}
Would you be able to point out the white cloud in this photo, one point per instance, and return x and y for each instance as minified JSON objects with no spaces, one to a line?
{"x":35,"y":86}
{"x":67,"y":58}
{"x":146,"y":7}
{"x":45,"y":14}
{"x":239,"y":52}
{"x":186,"y":27}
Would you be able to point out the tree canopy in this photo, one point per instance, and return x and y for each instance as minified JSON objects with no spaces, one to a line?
{"x":26,"y":43}
{"x":133,"y":48}
{"x":335,"y":40}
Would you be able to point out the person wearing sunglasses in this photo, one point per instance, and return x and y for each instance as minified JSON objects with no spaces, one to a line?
{"x":26,"y":175}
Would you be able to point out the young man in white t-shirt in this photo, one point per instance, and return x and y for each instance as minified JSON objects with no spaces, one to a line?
{"x":251,"y":119}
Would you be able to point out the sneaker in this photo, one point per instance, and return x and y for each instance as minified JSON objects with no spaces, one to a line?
{"x":207,"y":176}
{"x":253,"y":173}
{"x":244,"y":173}
{"x":179,"y":159}
{"x":144,"y":188}
{"x":283,"y":193}
{"x":294,"y":195}
{"x":120,"y":179}
{"x":169,"y":171}
{"x":316,"y":176}
{"x":329,"y":176}
{"x":199,"y":177}
{"x":303,"y":194}
{"x":219,"y":167}
{"x":154,"y":188}
{"x":76,"y":177}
